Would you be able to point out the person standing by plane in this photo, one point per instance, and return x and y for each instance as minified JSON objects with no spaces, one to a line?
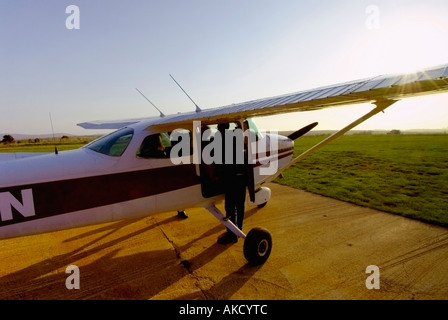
{"x":233,"y":174}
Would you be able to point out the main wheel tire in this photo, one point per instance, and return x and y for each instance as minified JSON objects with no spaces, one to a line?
{"x":257,"y":246}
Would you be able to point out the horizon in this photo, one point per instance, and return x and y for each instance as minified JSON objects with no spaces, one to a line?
{"x":59,"y":136}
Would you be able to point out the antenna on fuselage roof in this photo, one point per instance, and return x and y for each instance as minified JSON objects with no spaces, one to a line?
{"x":161,"y":113}
{"x":197,"y":108}
{"x":54,"y":139}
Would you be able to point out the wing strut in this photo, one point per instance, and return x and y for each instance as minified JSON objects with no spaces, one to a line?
{"x":381,"y":105}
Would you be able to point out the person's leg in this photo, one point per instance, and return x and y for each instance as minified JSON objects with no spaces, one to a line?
{"x":240,"y":199}
{"x":230,"y":208}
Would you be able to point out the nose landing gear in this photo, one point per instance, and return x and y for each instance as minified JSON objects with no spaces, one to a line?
{"x":257,"y":246}
{"x":257,"y":243}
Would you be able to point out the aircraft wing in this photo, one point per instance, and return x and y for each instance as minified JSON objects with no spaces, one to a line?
{"x":389,"y":88}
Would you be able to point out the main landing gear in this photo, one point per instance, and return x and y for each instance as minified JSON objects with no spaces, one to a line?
{"x":257,"y":243}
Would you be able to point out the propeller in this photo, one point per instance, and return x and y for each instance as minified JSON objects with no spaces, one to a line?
{"x":301,"y":132}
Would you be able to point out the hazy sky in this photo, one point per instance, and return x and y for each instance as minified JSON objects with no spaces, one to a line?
{"x":220,"y":51}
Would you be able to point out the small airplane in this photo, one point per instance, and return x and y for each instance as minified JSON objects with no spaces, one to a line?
{"x":157,"y":164}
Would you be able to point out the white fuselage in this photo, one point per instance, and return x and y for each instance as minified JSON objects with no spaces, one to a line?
{"x":82,"y":187}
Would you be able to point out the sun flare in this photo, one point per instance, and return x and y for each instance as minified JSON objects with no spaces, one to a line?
{"x":411,"y":41}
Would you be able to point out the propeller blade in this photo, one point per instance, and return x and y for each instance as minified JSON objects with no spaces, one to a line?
{"x":301,"y":132}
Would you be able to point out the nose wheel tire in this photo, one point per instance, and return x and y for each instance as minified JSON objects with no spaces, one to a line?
{"x":261,"y":206}
{"x":257,"y":246}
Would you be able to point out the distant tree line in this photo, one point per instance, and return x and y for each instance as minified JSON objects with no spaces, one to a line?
{"x":7,"y":138}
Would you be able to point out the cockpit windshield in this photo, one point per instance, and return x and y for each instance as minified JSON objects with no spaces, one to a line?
{"x":113,"y":144}
{"x":253,"y":126}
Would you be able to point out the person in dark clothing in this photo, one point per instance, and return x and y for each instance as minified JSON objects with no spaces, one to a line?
{"x":234,"y":181}
{"x":152,"y":147}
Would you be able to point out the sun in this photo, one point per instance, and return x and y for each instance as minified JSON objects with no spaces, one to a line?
{"x":412,"y":40}
{"x":404,"y":41}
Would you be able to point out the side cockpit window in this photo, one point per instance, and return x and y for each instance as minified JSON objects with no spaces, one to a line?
{"x":164,"y":145}
{"x":113,"y":144}
{"x":153,"y":147}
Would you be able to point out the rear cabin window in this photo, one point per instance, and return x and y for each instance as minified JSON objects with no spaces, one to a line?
{"x":113,"y":144}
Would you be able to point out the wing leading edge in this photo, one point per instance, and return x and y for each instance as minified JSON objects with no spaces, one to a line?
{"x":390,"y":87}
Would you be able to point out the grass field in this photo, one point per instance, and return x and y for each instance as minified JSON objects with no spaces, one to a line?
{"x":401,"y":174}
{"x":46,"y":145}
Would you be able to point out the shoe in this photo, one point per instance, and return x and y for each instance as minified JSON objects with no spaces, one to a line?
{"x":182,"y":214}
{"x":227,"y":238}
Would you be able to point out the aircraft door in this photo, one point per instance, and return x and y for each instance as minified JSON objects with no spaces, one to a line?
{"x":213,"y":148}
{"x":210,"y":167}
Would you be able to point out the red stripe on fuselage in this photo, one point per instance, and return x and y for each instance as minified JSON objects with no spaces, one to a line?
{"x":64,"y":196}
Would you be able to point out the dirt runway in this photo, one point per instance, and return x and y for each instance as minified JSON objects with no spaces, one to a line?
{"x":321,"y":250}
